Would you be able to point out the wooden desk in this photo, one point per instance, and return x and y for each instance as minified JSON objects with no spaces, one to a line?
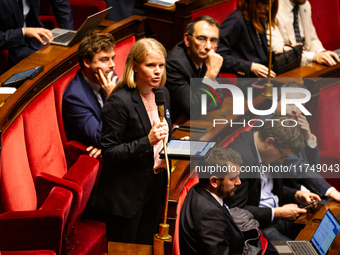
{"x":311,"y":226}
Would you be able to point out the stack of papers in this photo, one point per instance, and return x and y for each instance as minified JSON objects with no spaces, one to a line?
{"x":163,"y":2}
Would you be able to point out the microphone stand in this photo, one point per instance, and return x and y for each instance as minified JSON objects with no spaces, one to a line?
{"x":268,"y":89}
{"x":163,"y":232}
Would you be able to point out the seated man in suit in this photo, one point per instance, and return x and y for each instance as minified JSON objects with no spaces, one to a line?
{"x":295,"y":25}
{"x":195,"y":57}
{"x":206,"y":226}
{"x":88,"y":91}
{"x":261,"y":191}
{"x":21,"y":31}
{"x":310,"y":154}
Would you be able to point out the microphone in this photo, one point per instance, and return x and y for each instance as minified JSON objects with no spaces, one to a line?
{"x":160,"y":101}
{"x":163,"y":232}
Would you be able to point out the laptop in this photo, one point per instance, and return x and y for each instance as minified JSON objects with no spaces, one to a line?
{"x":319,"y":244}
{"x":67,"y":37}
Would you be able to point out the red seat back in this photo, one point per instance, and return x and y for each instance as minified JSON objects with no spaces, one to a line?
{"x":219,"y":12}
{"x":81,"y":9}
{"x":122,"y":50}
{"x":17,"y":191}
{"x":59,"y":87}
{"x":44,"y":146}
{"x":326,"y":20}
{"x":327,"y":118}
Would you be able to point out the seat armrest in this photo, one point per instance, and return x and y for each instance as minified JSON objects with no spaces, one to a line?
{"x":41,"y":229}
{"x":74,"y":150}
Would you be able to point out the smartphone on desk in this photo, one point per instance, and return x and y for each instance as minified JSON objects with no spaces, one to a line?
{"x":19,"y":78}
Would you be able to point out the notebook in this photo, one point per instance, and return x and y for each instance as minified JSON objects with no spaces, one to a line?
{"x":67,"y":37}
{"x":319,"y":244}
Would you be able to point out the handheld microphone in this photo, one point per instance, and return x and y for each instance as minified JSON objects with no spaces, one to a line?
{"x":160,"y":101}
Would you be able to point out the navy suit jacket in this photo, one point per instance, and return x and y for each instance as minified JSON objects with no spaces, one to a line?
{"x":240,"y":46}
{"x":248,"y":193}
{"x":11,"y":24}
{"x":127,"y":152}
{"x":179,"y":69}
{"x":206,"y":227}
{"x":82,"y":112}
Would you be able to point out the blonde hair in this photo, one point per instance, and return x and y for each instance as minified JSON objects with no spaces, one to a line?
{"x":137,"y":54}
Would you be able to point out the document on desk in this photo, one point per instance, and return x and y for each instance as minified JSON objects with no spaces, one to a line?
{"x":188,"y":150}
{"x":163,"y":2}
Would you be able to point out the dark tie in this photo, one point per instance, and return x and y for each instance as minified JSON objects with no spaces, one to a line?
{"x":199,"y":71}
{"x":21,"y":7}
{"x":225,"y":208}
{"x":102,"y":94}
{"x":296,"y":24}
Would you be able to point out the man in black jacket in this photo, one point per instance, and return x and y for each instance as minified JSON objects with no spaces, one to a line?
{"x":262,"y":191}
{"x":206,"y":226}
{"x":195,"y":57}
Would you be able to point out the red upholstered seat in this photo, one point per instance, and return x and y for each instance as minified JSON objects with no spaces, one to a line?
{"x":122,"y":50}
{"x":81,"y":9}
{"x":37,"y":229}
{"x":3,"y":61}
{"x":326,"y":127}
{"x":47,"y":159}
{"x":219,"y":12}
{"x":38,"y":252}
{"x":326,"y":20}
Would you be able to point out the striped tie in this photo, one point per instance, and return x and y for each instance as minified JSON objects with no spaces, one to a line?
{"x":296,"y":24}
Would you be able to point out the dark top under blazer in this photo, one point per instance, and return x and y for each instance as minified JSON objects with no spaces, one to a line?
{"x":206,"y":227}
{"x":11,"y":24}
{"x":127,"y":153}
{"x":240,"y":45}
{"x":81,"y":112}
{"x":248,"y":194}
{"x":179,"y":69}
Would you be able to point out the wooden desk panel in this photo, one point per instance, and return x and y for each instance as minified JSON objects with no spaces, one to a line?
{"x":309,"y":229}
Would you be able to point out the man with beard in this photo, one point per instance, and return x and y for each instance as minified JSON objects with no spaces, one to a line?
{"x":88,"y":91}
{"x":295,"y":25}
{"x":206,"y":226}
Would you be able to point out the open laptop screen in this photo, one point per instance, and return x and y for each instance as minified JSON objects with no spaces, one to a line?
{"x":325,"y":233}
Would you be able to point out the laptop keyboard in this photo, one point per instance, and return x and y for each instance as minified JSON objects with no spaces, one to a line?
{"x":301,"y":248}
{"x":64,"y":37}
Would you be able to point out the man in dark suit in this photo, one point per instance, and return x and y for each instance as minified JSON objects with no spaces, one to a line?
{"x":21,"y":30}
{"x":303,"y":178}
{"x":195,"y":57}
{"x":206,"y":226}
{"x":88,"y":91}
{"x":262,"y":191}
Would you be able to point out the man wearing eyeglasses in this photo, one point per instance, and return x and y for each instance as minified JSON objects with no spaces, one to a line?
{"x":262,"y":191}
{"x":304,"y":178}
{"x":195,"y":57}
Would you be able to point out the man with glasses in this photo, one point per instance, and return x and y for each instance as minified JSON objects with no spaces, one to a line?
{"x":262,"y":191}
{"x":195,"y":57}
{"x":305,"y":178}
